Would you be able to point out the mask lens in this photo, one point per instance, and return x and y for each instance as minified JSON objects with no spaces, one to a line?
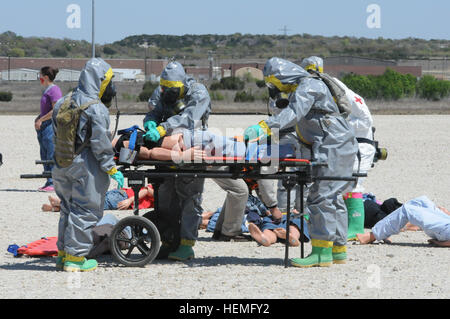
{"x":170,"y":95}
{"x":109,"y":94}
{"x":273,"y":92}
{"x":282,"y":103}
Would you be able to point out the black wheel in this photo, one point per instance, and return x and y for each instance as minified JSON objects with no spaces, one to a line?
{"x":135,"y":241}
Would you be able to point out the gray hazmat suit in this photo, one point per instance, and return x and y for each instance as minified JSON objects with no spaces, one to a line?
{"x":312,"y":63}
{"x":360,"y":120}
{"x":289,"y":137}
{"x":318,"y":123}
{"x":82,"y":186}
{"x":190,"y":112}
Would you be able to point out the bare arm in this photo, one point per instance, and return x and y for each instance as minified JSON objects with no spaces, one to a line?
{"x":48,"y":116}
{"x":444,"y":210}
{"x":38,"y":122}
{"x":163,"y":154}
{"x":125,"y":204}
{"x":171,"y":150}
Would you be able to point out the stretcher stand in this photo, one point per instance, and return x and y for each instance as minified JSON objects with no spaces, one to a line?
{"x":156,"y":171}
{"x":44,"y":174}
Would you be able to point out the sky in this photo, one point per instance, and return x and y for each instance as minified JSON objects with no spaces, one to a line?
{"x":117,"y":19}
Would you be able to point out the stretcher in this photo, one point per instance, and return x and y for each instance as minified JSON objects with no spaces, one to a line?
{"x":144,"y":240}
{"x":154,"y":173}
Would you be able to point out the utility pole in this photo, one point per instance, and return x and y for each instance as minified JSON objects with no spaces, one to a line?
{"x":93,"y":28}
{"x":446,"y":68}
{"x":444,"y":63}
{"x":6,"y":44}
{"x":211,"y":60}
{"x":71,"y":45}
{"x":285,"y":30}
{"x":145,"y":46}
{"x":9,"y":67}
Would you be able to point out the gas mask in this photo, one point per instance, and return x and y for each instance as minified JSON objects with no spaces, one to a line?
{"x":280,"y":99}
{"x":170,"y":96}
{"x":109,"y":94}
{"x":179,"y":107}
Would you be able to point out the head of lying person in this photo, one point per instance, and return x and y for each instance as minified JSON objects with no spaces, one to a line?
{"x":124,"y":138}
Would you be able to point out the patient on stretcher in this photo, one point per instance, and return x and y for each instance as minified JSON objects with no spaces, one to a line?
{"x":186,"y":145}
{"x":170,"y":148}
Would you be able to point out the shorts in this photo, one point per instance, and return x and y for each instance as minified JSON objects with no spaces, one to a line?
{"x":113,"y":198}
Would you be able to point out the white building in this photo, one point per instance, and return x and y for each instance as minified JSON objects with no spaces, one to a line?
{"x":128,"y":75}
{"x":65,"y":75}
{"x":20,"y":75}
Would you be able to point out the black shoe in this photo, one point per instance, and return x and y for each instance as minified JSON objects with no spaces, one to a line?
{"x":165,"y":250}
{"x":236,"y":238}
{"x":216,"y":235}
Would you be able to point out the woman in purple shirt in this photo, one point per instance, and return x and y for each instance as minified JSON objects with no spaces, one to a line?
{"x":52,"y":93}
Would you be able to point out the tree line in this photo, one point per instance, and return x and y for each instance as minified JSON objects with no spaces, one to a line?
{"x":233,"y":46}
{"x":389,"y":86}
{"x":393,"y":85}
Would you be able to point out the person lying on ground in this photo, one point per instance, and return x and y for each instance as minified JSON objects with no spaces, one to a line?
{"x":267,"y":233}
{"x":375,"y":210}
{"x":206,"y":217}
{"x":421,"y":212}
{"x":254,"y":209}
{"x":266,"y":229}
{"x":116,"y":199}
{"x":256,"y":213}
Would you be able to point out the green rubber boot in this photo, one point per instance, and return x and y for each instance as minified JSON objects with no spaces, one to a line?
{"x":60,"y":259}
{"x":76,"y":264}
{"x":184,"y":251}
{"x":321,"y":255}
{"x":339,"y":254}
{"x":355,"y":208}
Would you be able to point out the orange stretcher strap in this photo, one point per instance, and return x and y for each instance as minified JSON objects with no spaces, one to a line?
{"x":296,"y":160}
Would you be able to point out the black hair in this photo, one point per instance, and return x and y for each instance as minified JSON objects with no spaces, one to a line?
{"x":50,"y":72}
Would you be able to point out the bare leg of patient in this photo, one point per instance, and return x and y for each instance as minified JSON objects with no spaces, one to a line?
{"x":171,"y":150}
{"x":265,"y":238}
{"x":294,"y":235}
{"x":54,"y":205}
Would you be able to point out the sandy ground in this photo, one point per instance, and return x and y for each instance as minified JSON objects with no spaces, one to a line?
{"x":418,"y":164}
